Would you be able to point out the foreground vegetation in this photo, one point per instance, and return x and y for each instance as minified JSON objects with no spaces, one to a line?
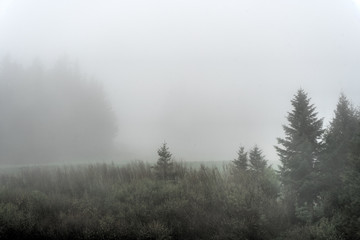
{"x":314,"y":195}
{"x":130,"y":202}
{"x":105,"y":201}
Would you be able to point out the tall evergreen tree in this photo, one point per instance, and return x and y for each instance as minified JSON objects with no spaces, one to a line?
{"x":349,"y":193}
{"x":337,"y":150}
{"x":241,"y":162}
{"x":339,"y":135}
{"x":354,"y":161}
{"x":299,"y":152}
{"x":164,"y":165}
{"x":257,"y":160}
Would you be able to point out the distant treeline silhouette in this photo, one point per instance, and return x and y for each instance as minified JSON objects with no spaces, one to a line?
{"x":51,"y":115}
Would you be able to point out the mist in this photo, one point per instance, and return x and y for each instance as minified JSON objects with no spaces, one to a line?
{"x":204,"y":76}
{"x":53,"y":115}
{"x":138,"y":119}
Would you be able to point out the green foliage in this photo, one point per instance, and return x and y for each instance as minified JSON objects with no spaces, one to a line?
{"x":316,"y":196}
{"x":257,"y":160}
{"x":241,"y":162}
{"x":349,"y":194}
{"x":300,"y":152}
{"x":335,"y":157}
{"x":323,"y":230}
{"x":110,"y":202}
{"x":164,"y":165}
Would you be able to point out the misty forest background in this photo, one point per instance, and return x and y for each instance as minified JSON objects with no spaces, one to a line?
{"x":57,"y":115}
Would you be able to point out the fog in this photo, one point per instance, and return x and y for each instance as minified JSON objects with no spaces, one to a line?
{"x":204,"y":76}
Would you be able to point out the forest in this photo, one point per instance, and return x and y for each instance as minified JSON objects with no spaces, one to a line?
{"x":51,"y":115}
{"x":314,"y":194}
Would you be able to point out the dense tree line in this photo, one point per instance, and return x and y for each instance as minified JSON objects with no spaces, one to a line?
{"x":52,"y":115}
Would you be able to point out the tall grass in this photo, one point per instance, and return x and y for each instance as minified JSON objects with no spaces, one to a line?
{"x":106,"y":201}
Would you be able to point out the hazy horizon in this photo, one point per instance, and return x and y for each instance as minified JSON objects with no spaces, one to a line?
{"x":204,"y":76}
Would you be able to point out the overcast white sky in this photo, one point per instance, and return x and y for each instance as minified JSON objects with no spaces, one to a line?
{"x":206,"y":76}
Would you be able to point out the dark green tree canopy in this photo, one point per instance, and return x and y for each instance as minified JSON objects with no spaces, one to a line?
{"x":241,"y":162}
{"x":337,"y":158}
{"x":339,"y":135}
{"x":302,"y":134}
{"x":257,"y":160}
{"x":338,"y":139}
{"x":164,"y":165}
{"x":354,"y":162}
{"x":299,"y":150}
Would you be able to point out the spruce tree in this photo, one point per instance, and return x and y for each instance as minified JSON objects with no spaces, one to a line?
{"x":349,"y":193}
{"x":299,"y":152}
{"x":164,"y":165}
{"x":241,"y":162}
{"x":338,"y":136}
{"x":335,"y":158}
{"x":354,"y":159}
{"x":257,"y":160}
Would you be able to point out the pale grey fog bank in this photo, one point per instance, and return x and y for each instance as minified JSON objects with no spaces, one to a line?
{"x":205,"y":76}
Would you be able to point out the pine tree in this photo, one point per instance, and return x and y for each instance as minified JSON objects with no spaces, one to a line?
{"x":354,"y":159}
{"x":241,"y":162}
{"x":299,"y":152}
{"x":335,"y":158}
{"x":339,"y":135}
{"x":164,"y":165}
{"x":349,"y":193}
{"x":257,"y":160}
